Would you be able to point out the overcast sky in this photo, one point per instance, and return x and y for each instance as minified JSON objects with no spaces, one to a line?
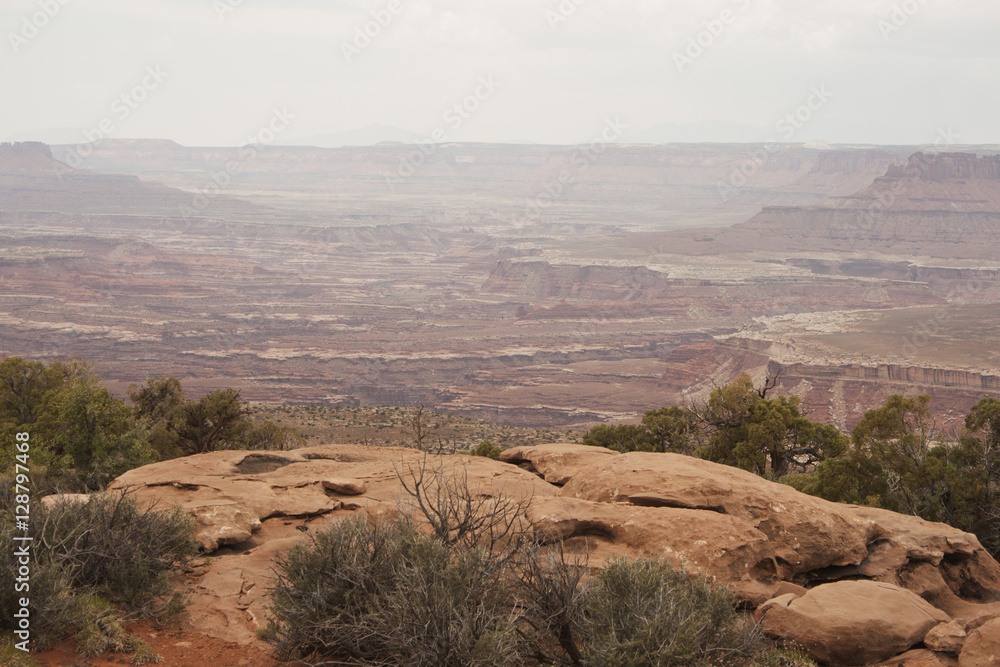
{"x":554,"y":72}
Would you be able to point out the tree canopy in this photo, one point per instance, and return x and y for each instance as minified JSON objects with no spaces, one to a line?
{"x":83,"y":437}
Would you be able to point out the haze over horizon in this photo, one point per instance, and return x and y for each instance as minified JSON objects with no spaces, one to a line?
{"x":215,"y":72}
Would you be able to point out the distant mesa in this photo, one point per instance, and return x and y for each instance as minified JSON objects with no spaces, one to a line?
{"x":948,"y":166}
{"x":25,"y":158}
{"x":135,"y":145}
{"x":32,"y":180}
{"x":943,"y":205}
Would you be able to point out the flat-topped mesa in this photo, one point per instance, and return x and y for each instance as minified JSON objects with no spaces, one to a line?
{"x":28,"y":157}
{"x":947,"y":166}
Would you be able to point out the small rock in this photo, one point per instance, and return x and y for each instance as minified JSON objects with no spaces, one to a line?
{"x":345,"y":487}
{"x":223,"y":523}
{"x":946,"y":637}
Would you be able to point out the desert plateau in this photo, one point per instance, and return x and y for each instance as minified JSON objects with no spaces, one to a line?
{"x":427,"y":333}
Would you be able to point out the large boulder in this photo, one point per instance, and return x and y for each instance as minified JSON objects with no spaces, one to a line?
{"x":851,"y":622}
{"x":982,"y":646}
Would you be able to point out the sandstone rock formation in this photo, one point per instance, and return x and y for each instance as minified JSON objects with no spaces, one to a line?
{"x":921,"y":657}
{"x":947,"y":638}
{"x":767,"y":542}
{"x":982,"y":647}
{"x":851,"y":622}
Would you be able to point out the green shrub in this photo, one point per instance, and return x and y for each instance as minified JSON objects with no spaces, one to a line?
{"x":101,"y":629}
{"x":644,"y":612}
{"x":469,"y":588}
{"x":113,"y":547}
{"x":554,"y":592}
{"x":784,"y":658}
{"x":384,"y":593}
{"x":620,"y":438}
{"x":86,"y":556}
{"x":50,"y":589}
{"x":487,"y":449}
{"x":13,"y":657}
{"x":450,"y":608}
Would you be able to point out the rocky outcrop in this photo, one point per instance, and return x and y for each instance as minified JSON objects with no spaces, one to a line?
{"x":804,"y":534}
{"x":558,"y":463}
{"x":894,"y":577}
{"x":721,"y":547}
{"x":851,"y":622}
{"x":982,"y":646}
{"x":937,"y":205}
{"x":921,"y":657}
{"x":937,"y":377}
{"x":947,"y":166}
{"x":29,"y":157}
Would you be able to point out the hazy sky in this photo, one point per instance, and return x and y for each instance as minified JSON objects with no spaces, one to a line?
{"x":213,"y":72}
